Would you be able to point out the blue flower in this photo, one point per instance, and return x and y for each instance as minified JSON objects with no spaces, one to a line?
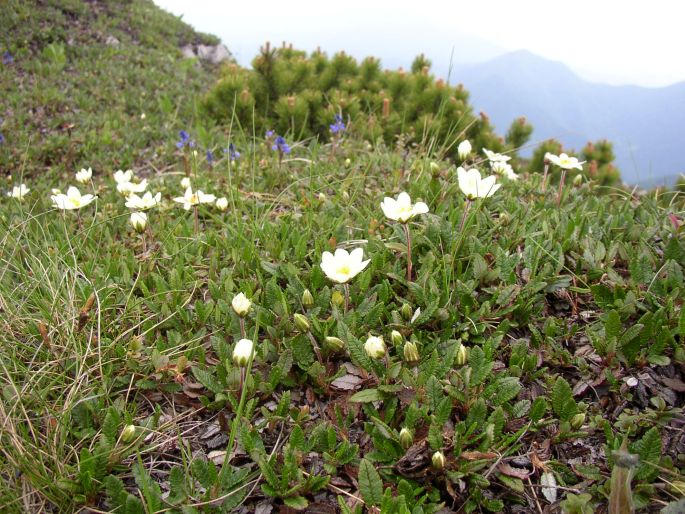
{"x":185,"y":140}
{"x":338,"y":125}
{"x":7,"y":58}
{"x":281,"y":145}
{"x":233,"y":154}
{"x":2,"y":139}
{"x":269,"y":133}
{"x":210,"y":156}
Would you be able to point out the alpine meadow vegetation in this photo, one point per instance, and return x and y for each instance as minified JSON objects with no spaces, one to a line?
{"x":316,"y":286}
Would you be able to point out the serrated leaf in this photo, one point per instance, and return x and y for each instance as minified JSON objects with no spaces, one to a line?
{"x":480,"y":365}
{"x":515,"y":484}
{"x":649,"y":450}
{"x":296,"y":502}
{"x":612,"y":325}
{"x":562,"y":400}
{"x":207,"y":379}
{"x":367,"y":395}
{"x":502,"y":390}
{"x":370,"y":483}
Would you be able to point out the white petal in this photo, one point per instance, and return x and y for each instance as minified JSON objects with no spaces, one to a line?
{"x":419,"y":208}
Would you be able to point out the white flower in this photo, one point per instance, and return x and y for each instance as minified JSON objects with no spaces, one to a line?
{"x":84,"y":175}
{"x":473,"y":186}
{"x":241,"y":305}
{"x":464,"y":149}
{"x":242,"y":352}
{"x":343,"y":266}
{"x":185,"y":182}
{"x":222,"y":203}
{"x":565,"y":162}
{"x":72,"y":200}
{"x":504,"y":169}
{"x":146,"y":202}
{"x":138,"y":221}
{"x":494,"y":157}
{"x":123,"y":176}
{"x":18,"y":192}
{"x":126,"y":188}
{"x":374,"y":347}
{"x":56,"y":191}
{"x":401,"y":209}
{"x":190,"y":199}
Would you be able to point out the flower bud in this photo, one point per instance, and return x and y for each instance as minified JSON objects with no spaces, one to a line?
{"x":406,"y":438}
{"x":322,"y":197}
{"x":185,"y":182}
{"x":345,"y":196}
{"x":334,"y":344}
{"x":337,"y":298}
{"x":241,"y":305}
{"x":222,"y":203}
{"x":464,"y":149}
{"x":348,"y":162}
{"x":128,"y":434}
{"x":375,"y":347}
{"x":578,"y":420}
{"x":462,"y":355}
{"x":242,"y":352}
{"x":396,"y":338}
{"x":307,"y":298}
{"x":406,"y":311}
{"x":301,"y":322}
{"x":434,"y":167}
{"x":411,"y":353}
{"x":438,"y":461}
{"x":578,"y":180}
{"x":138,"y":221}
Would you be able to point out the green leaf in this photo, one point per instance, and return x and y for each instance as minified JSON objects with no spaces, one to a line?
{"x":480,"y":365}
{"x":649,"y":450}
{"x":612,"y":325}
{"x":370,"y":483}
{"x":366,"y":395}
{"x":207,"y":379}
{"x":563,"y":403}
{"x":296,"y":502}
{"x":502,"y":390}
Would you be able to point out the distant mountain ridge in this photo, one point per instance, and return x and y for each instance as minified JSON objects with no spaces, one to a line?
{"x":646,"y":125}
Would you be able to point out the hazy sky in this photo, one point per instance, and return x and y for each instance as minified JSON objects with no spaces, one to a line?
{"x":619,"y":42}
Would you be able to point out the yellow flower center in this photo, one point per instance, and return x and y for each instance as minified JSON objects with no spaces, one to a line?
{"x":344,"y":270}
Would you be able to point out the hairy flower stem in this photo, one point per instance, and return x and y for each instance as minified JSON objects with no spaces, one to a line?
{"x":346,"y":288}
{"x":316,"y":348}
{"x":244,"y":371}
{"x":197,"y":220}
{"x":544,"y":177}
{"x":408,"y":235}
{"x":144,"y":242}
{"x":561,"y":186}
{"x":243,"y":334}
{"x":463,"y":216}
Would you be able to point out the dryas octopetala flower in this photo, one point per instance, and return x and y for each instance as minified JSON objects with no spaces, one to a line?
{"x":138,"y":221}
{"x":123,"y":176}
{"x":503,"y":169}
{"x":18,"y":192}
{"x":438,"y":461}
{"x":241,"y":304}
{"x":375,"y":347}
{"x":222,"y":203}
{"x":402,"y":209}
{"x":494,"y":156}
{"x":564,"y":161}
{"x":464,"y":149}
{"x":147,"y":201}
{"x":406,"y":438}
{"x":473,"y":186}
{"x":84,"y":175}
{"x":343,"y":266}
{"x":72,"y":200}
{"x":127,"y":188}
{"x":242,"y":352}
{"x":191,"y":199}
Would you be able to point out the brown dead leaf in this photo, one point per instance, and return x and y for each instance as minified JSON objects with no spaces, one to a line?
{"x":478,"y":455}
{"x":347,"y":382}
{"x":511,"y":471}
{"x":674,"y":383}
